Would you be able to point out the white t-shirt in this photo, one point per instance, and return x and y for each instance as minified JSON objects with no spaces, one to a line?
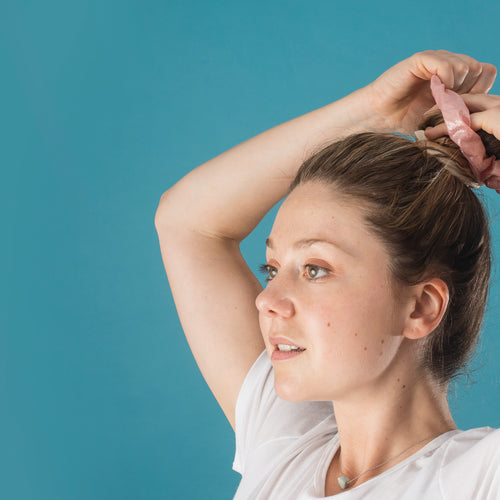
{"x":283,"y":451}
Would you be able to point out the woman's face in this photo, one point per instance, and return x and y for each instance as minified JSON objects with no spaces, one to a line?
{"x":329,"y":293}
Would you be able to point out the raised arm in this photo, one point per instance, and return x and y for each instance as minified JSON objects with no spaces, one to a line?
{"x":202,"y":219}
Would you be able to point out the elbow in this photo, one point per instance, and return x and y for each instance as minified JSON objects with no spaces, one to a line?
{"x":161,"y":209}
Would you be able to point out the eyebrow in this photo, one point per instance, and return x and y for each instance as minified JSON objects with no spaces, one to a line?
{"x":311,"y":241}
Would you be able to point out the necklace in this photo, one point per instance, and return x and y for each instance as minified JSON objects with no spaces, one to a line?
{"x":345,"y":482}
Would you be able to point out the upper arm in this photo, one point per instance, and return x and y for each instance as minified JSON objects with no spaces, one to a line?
{"x":214,"y":292}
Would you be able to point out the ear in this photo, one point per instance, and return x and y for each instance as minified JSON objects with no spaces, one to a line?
{"x":427,"y":308}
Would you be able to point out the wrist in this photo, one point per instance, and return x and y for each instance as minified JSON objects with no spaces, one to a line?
{"x":357,"y":112}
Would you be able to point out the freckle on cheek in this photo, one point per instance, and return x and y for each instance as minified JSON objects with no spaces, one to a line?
{"x":355,"y":334}
{"x":366,"y":348}
{"x":381,"y":341}
{"x":328,"y":324}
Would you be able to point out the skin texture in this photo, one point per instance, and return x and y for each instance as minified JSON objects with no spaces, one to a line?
{"x":361,"y":332}
{"x":202,"y":219}
{"x":346,"y":315}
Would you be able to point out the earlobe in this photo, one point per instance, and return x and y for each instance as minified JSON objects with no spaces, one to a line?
{"x":429,"y":305}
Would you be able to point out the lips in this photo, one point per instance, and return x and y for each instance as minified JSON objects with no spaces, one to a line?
{"x":282,"y":340}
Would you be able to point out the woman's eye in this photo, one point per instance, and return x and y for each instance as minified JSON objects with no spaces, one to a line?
{"x":269,"y":271}
{"x":313,"y":272}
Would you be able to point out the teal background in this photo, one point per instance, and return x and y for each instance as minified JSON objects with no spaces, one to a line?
{"x":104,"y":105}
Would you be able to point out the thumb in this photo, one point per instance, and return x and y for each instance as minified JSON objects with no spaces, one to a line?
{"x":488,"y":120}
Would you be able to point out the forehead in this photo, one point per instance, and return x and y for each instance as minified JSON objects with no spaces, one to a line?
{"x":314,"y":210}
{"x":315,"y":207}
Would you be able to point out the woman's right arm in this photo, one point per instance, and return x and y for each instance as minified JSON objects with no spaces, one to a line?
{"x":200,"y":222}
{"x":202,"y":219}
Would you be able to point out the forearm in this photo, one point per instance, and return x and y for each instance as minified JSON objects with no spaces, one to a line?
{"x":228,"y":195}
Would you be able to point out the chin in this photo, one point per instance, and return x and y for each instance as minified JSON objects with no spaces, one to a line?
{"x":289,"y":392}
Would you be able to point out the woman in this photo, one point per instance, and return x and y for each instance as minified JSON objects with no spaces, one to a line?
{"x":364,"y":310}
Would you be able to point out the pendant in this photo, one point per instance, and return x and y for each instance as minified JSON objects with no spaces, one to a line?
{"x":343,"y":482}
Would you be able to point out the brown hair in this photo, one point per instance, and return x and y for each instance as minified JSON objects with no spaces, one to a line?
{"x":420,"y":203}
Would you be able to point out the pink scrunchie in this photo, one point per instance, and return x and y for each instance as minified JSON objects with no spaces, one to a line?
{"x":457,"y":119}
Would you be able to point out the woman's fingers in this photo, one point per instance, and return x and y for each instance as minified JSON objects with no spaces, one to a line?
{"x":466,"y":71}
{"x":435,"y":132}
{"x":485,"y":81}
{"x":485,"y":114}
{"x":451,"y":68}
{"x":488,"y":120}
{"x":480,"y":102}
{"x":399,"y":97}
{"x":458,"y":72}
{"x":471,"y":76}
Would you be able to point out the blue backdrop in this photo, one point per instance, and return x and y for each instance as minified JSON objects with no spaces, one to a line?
{"x":106,"y":104}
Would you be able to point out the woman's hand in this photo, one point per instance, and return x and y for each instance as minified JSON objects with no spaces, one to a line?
{"x":485,"y":115}
{"x":399,"y":97}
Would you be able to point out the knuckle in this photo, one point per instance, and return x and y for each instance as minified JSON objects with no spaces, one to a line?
{"x":492,"y":70}
{"x":475,"y":68}
{"x":426,"y":53}
{"x":462,"y":68}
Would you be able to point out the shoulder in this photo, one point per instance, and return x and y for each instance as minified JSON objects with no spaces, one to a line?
{"x":471,"y":464}
{"x":468,"y":446}
{"x":481,"y":439}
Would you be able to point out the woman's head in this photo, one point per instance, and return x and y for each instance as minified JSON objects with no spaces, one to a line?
{"x":331,"y":294}
{"x":414,"y":199}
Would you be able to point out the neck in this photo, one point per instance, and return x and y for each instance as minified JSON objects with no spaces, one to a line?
{"x":378,"y":425}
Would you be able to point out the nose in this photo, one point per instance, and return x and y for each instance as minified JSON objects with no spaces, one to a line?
{"x":271,"y":302}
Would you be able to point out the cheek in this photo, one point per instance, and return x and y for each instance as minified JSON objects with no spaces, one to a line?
{"x":361,"y":318}
{"x":330,"y":326}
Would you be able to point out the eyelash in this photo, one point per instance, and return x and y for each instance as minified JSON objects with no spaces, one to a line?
{"x":267,"y":269}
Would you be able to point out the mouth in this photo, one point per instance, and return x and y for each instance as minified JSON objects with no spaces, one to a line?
{"x":282,"y":344}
